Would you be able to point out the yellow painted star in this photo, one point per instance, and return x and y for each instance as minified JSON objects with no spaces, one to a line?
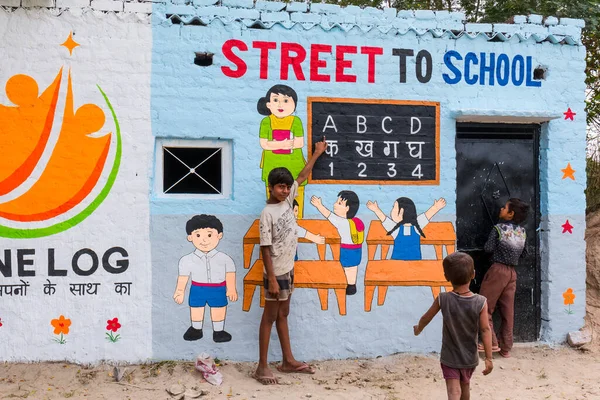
{"x":568,"y":172}
{"x":70,"y":44}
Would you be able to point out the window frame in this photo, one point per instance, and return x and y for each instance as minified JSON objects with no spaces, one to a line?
{"x":226,"y":167}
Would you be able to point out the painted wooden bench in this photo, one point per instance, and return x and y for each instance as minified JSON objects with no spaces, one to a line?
{"x":384,"y":273}
{"x":316,"y":226}
{"x":319,"y":275}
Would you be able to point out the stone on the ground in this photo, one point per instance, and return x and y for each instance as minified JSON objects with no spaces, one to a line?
{"x":119,"y":373}
{"x":176,"y":390}
{"x":579,"y":338}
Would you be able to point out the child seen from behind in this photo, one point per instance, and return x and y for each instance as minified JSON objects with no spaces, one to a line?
{"x":507,"y":242}
{"x":464,"y":314}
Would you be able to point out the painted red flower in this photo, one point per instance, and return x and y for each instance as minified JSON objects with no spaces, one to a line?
{"x":0,"y":321}
{"x":113,"y":324}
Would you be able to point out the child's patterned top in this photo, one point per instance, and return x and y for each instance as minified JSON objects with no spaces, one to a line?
{"x":507,"y":241}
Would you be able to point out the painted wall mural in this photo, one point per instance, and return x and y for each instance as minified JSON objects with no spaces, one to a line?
{"x":211,"y":274}
{"x":31,"y":191}
{"x":281,"y":136}
{"x":82,"y":226}
{"x":73,"y":208}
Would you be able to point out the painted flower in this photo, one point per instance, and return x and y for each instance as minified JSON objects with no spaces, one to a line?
{"x":61,"y":325}
{"x":0,"y":321}
{"x":113,"y":324}
{"x":569,"y":297}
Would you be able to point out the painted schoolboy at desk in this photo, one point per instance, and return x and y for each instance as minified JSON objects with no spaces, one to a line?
{"x":350,"y":229}
{"x":405,"y":226}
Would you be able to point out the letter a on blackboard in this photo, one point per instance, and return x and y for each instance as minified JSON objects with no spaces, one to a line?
{"x":330,"y":118}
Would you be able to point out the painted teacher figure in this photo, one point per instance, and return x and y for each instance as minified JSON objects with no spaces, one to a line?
{"x":405,"y":226}
{"x":281,"y":136}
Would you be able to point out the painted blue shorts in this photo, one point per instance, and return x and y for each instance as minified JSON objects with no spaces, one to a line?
{"x":350,"y":257}
{"x":214,"y":296}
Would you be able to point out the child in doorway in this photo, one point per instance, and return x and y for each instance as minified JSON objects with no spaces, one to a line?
{"x":281,"y":136}
{"x":464,"y":314}
{"x":350,"y":229}
{"x":303,"y":233}
{"x":213,"y":278}
{"x":507,"y":243}
{"x":278,"y":242}
{"x":405,"y":226}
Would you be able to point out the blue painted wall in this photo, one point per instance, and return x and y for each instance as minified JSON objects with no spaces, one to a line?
{"x":193,"y":102}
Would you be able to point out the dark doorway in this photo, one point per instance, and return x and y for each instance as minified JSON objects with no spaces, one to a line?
{"x":493,"y":163}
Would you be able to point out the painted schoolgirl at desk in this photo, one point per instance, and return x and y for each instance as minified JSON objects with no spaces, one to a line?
{"x":405,"y":226}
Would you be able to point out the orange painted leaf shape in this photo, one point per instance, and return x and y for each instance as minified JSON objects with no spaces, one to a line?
{"x":61,"y":325}
{"x":73,"y":170}
{"x":25,"y":129}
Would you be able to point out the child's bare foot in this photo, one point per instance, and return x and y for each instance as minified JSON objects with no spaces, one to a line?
{"x":505,"y":354}
{"x":297,"y":367}
{"x":265,"y":376}
{"x":481,"y":349}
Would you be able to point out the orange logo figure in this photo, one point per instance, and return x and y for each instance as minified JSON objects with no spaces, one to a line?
{"x":38,"y":183}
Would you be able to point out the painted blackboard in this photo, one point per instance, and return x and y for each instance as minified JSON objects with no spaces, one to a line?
{"x":375,"y":141}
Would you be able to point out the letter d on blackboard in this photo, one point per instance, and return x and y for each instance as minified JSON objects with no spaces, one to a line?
{"x":412,"y":125}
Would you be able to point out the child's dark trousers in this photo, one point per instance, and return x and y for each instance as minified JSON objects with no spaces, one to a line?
{"x":498,"y":287}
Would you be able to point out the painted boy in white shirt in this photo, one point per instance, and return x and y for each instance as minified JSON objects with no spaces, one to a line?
{"x":212,"y":274}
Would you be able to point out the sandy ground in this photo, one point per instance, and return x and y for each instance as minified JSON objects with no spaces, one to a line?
{"x":533,"y":373}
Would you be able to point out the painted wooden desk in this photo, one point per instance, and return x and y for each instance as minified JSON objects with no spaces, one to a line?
{"x":384,"y":273}
{"x":438,"y":234}
{"x":319,"y":275}
{"x":316,"y":226}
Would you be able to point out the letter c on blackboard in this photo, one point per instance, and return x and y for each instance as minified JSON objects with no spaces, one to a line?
{"x":383,"y":125}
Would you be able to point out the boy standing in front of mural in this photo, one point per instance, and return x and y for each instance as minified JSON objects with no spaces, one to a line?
{"x":464,"y":314}
{"x":507,"y":243}
{"x":350,"y":229}
{"x":212,"y":274}
{"x":278,"y":243}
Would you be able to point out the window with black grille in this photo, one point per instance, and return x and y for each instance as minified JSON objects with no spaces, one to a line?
{"x":192,"y":170}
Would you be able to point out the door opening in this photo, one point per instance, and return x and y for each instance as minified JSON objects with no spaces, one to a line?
{"x":495,"y":162}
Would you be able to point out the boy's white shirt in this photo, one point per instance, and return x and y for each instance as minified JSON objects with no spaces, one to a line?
{"x":210,"y":267}
{"x":343,"y":227}
{"x":278,"y":228}
{"x":388,"y":224}
{"x":301,"y":232}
